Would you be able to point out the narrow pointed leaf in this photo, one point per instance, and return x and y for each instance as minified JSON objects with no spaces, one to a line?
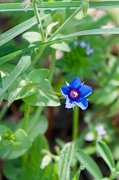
{"x":10,"y":56}
{"x":15,"y":31}
{"x":59,"y":5}
{"x":92,"y":31}
{"x":106,"y":154}
{"x":76,"y":177}
{"x":64,"y":162}
{"x":89,"y":164}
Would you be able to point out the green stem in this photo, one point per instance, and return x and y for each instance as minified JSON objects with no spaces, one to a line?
{"x":113,"y":176}
{"x":35,"y":118}
{"x":24,"y":158}
{"x":50,"y":77}
{"x":3,"y":111}
{"x":38,"y":20}
{"x":65,"y":23}
{"x":75,"y":123}
{"x":75,"y":130}
{"x":56,"y":32}
{"x":26,"y":116}
{"x":25,"y":123}
{"x":37,"y":57}
{"x":52,"y":66}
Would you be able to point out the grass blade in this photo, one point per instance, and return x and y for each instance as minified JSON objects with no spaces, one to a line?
{"x":59,"y":5}
{"x":15,"y":31}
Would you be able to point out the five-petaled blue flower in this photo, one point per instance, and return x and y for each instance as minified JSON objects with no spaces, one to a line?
{"x":76,"y":93}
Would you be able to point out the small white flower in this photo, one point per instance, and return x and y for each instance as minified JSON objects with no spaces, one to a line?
{"x":49,"y":28}
{"x":45,"y":161}
{"x":100,"y":133}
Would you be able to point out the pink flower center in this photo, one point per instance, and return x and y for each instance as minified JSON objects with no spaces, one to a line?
{"x":73,"y":94}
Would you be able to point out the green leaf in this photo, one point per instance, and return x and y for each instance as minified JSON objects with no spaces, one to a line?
{"x":32,"y":168}
{"x":106,"y":154}
{"x":19,"y":93}
{"x":60,"y":142}
{"x":9,"y":153}
{"x":43,"y":96}
{"x":32,"y":37}
{"x":22,"y":65}
{"x":2,"y":130}
{"x":65,"y":162}
{"x":22,"y":141}
{"x":25,"y":86}
{"x":36,"y":125}
{"x":89,"y":164}
{"x":61,"y":46}
{"x":37,"y":75}
{"x":39,"y":127}
{"x":76,"y":177}
{"x":92,"y":31}
{"x":7,"y":68}
{"x":7,"y":137}
{"x":11,"y":169}
{"x":2,"y":97}
{"x":10,"y":34}
{"x":10,"y":56}
{"x":17,"y":147}
{"x":114,"y":108}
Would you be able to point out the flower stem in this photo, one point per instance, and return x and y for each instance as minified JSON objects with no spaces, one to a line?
{"x":25,"y":123}
{"x":75,"y":123}
{"x":38,"y":55}
{"x":38,"y":20}
{"x":50,"y":77}
{"x":3,"y":111}
{"x":36,"y":116}
{"x":52,"y":66}
{"x":26,"y":116}
{"x":65,"y":23}
{"x":56,"y":32}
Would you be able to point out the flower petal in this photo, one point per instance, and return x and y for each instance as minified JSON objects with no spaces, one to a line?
{"x":76,"y":82}
{"x":89,"y":50}
{"x":83,"y":44}
{"x":82,"y":103}
{"x":69,"y":103}
{"x":85,"y":90}
{"x":64,"y":90}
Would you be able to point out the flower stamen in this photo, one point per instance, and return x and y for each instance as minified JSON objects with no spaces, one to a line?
{"x":73,"y":94}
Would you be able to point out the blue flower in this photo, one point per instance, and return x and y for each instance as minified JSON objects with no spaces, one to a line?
{"x":83,"y":44}
{"x":76,"y":43}
{"x":89,"y":50}
{"x":76,"y":93}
